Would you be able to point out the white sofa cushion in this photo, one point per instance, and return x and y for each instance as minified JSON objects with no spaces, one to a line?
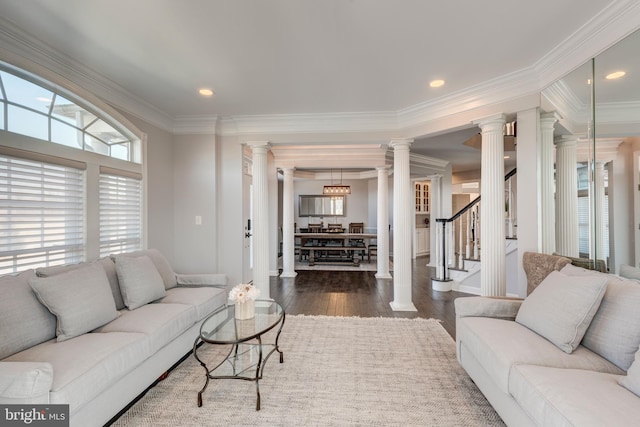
{"x":629,"y":272}
{"x":614,"y":332}
{"x":140,"y":281}
{"x":24,"y":321}
{"x":498,"y":345}
{"x":161,"y":323}
{"x":632,"y":380}
{"x":80,"y":299}
{"x":204,"y":299}
{"x":86,"y":365}
{"x":573,"y":397}
{"x":561,"y":308}
{"x":25,"y":382}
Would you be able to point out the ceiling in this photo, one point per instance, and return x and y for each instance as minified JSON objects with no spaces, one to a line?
{"x":301,"y":56}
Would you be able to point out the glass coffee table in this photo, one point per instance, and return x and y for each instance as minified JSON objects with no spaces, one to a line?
{"x":246,"y":358}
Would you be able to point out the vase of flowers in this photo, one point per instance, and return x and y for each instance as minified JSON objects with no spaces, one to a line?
{"x":244,"y":296}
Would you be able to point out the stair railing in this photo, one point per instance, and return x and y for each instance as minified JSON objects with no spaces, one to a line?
{"x":457,"y":241}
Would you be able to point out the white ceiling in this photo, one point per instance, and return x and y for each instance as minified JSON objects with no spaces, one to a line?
{"x":298,"y":56}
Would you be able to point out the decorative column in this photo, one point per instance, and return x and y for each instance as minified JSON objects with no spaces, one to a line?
{"x":598,"y":242}
{"x":383,"y":223}
{"x":547,"y":202}
{"x":288,"y":238}
{"x":403,"y":208}
{"x":567,"y":197}
{"x":435,"y":212}
{"x":493,"y":273}
{"x":260,"y":217}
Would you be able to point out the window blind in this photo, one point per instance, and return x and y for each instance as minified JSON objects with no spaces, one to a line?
{"x":42,"y":214}
{"x":120,"y":213}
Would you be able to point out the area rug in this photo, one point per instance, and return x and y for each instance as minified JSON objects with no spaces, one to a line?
{"x":337,"y":371}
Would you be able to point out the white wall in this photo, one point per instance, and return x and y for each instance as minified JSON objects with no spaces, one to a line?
{"x":160,"y":188}
{"x":194,"y":161}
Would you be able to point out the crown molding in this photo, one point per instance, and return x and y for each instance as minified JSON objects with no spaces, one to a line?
{"x":615,"y":22}
{"x":22,"y":50}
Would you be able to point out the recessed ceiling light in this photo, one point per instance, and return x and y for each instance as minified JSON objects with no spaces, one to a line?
{"x":615,"y":75}
{"x":206,"y":92}
{"x":507,"y":157}
{"x":436,"y":83}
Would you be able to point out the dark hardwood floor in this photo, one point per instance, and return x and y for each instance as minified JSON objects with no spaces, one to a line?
{"x":359,"y":293}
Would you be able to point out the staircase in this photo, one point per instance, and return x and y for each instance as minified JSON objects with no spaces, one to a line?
{"x":458,"y":250}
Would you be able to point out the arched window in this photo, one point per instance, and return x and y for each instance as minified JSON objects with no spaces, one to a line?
{"x":71,"y":177}
{"x":36,"y":111}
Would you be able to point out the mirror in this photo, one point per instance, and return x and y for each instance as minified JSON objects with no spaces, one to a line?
{"x":602,"y":115}
{"x":321,"y":205}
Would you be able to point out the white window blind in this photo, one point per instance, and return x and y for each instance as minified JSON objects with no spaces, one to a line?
{"x":42,"y":214}
{"x":120,"y":212}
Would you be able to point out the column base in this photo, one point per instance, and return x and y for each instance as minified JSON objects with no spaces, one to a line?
{"x":288,"y":274}
{"x":383,"y":276}
{"x":402,"y":307}
{"x":441,"y":285}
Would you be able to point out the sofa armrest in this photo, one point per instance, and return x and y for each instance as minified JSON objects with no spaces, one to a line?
{"x":25,"y":382}
{"x":499,"y":308}
{"x":208,"y":279}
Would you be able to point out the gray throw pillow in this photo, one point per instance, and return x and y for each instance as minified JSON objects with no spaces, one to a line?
{"x":629,"y":272}
{"x":161,"y":263}
{"x":140,"y":282}
{"x":560,"y":309}
{"x":24,"y":321}
{"x":80,"y":299}
{"x":632,"y":380}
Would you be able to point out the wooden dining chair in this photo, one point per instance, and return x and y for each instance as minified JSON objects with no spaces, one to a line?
{"x":357,"y":228}
{"x":314,"y":228}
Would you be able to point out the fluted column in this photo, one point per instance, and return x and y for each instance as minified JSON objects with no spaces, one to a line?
{"x":566,"y":197}
{"x":383,"y":223}
{"x":547,"y":183}
{"x":288,"y":239}
{"x":600,"y":212}
{"x":260,"y":217}
{"x":493,"y":281}
{"x":403,"y":208}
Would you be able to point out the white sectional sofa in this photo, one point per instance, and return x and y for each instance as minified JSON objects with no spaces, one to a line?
{"x":565,"y":356}
{"x":95,"y":335}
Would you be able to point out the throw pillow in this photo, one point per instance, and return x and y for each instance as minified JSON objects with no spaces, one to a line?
{"x":24,"y":321}
{"x":629,"y":272}
{"x":561,"y":308}
{"x":161,"y":263}
{"x":80,"y":299}
{"x":632,"y":380}
{"x":140,"y":282}
{"x":614,"y":332}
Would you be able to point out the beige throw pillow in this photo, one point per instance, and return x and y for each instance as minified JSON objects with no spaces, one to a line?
{"x":561,"y":308}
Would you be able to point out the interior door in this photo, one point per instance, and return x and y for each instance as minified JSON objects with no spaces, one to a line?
{"x":247,"y":209}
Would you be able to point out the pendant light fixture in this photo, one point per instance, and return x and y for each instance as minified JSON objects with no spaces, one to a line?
{"x":336,"y":189}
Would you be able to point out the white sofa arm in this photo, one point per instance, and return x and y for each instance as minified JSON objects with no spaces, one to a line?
{"x":25,"y":382}
{"x":209,"y":279}
{"x":500,"y":308}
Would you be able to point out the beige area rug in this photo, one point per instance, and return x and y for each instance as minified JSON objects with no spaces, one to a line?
{"x":337,"y":371}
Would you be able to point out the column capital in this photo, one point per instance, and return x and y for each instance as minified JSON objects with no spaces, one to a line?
{"x":383,"y":168}
{"x":258,"y":145}
{"x":400,"y":143}
{"x":287,"y":169}
{"x":566,"y":141}
{"x":492,"y":122}
{"x":549,"y":118}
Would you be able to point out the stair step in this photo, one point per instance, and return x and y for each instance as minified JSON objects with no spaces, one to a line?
{"x":458,"y":269}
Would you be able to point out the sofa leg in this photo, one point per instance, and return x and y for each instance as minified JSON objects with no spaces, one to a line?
{"x":164,"y":376}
